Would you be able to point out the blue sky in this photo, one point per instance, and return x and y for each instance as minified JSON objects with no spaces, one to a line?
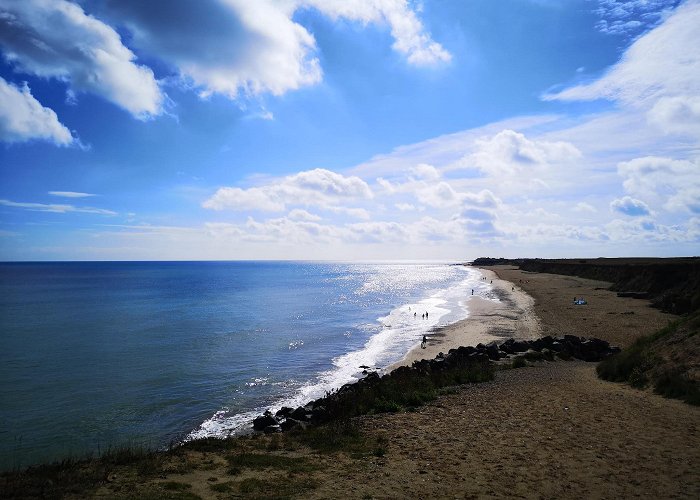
{"x":348,"y":129}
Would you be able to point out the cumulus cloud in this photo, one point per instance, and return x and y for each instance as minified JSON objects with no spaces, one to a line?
{"x":238,"y":46}
{"x":301,"y":214}
{"x":674,"y":183}
{"x":23,"y":118}
{"x":318,"y":187}
{"x":57,"y":39}
{"x":509,"y":152}
{"x":440,"y":195}
{"x":56,"y":208}
{"x":410,"y":37}
{"x":630,"y":206}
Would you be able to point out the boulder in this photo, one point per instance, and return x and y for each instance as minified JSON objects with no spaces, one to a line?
{"x":263,"y":421}
{"x":301,"y":414}
{"x":290,"y":424}
{"x":492,"y":351}
{"x":284,"y":412}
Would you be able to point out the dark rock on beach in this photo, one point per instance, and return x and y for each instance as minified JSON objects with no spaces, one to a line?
{"x":349,"y":399}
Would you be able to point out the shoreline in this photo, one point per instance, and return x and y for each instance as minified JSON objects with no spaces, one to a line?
{"x":506,"y":311}
{"x":553,"y":429}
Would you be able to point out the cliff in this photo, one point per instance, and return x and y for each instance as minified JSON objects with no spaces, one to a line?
{"x":672,"y":284}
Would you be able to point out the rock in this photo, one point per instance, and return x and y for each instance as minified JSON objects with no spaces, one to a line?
{"x":519,"y":346}
{"x":263,"y":421}
{"x":492,"y":351}
{"x":284,"y":412}
{"x":291,"y":424}
{"x":301,"y":414}
{"x":319,"y":415}
{"x":272,"y":429}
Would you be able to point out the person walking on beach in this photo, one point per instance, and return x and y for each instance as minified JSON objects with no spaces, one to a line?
{"x":415,"y":314}
{"x":422,"y":316}
{"x":426,"y":314}
{"x":425,"y":341}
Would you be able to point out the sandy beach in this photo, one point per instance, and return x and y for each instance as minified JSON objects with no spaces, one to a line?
{"x":503,"y":313}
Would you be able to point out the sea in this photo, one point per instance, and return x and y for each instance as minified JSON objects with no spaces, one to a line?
{"x":100,"y":355}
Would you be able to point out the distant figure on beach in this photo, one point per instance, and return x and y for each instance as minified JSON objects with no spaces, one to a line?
{"x":422,"y":344}
{"x":472,"y":291}
{"x":512,"y":289}
{"x":426,"y":314}
{"x":422,"y":316}
{"x":415,"y":314}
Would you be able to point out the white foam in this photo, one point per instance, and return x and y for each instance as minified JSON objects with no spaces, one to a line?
{"x":396,"y":333}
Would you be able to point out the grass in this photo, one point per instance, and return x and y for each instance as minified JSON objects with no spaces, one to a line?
{"x":643,"y":363}
{"x":404,"y":389}
{"x":242,"y":461}
{"x":343,"y":436}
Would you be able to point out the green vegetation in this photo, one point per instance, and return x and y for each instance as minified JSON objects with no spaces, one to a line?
{"x":661,"y":360}
{"x":343,"y":435}
{"x":519,"y":362}
{"x":405,"y":388}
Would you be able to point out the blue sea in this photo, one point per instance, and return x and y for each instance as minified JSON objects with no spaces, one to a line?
{"x":107,"y":354}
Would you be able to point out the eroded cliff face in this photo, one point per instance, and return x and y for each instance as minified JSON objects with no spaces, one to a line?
{"x":672,"y":284}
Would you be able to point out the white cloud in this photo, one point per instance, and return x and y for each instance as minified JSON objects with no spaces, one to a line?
{"x":23,"y":118}
{"x":658,"y":73}
{"x":425,"y":172}
{"x":679,"y":114}
{"x":234,"y":47}
{"x":378,"y":232}
{"x":630,"y":206}
{"x":620,"y":17}
{"x":301,"y":214}
{"x":70,"y":194}
{"x":582,"y":206}
{"x":673,"y":183}
{"x":509,"y":152}
{"x":57,"y":39}
{"x":357,"y":213}
{"x":405,"y":207}
{"x":254,"y":198}
{"x":409,"y":34}
{"x":440,"y":195}
{"x":318,"y":187}
{"x":56,"y":208}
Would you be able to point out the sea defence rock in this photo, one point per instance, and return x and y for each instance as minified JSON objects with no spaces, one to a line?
{"x":456,"y":365}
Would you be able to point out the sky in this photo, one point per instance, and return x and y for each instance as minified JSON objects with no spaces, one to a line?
{"x":348,"y":129}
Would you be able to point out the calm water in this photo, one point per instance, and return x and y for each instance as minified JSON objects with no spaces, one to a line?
{"x":94,"y":355}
